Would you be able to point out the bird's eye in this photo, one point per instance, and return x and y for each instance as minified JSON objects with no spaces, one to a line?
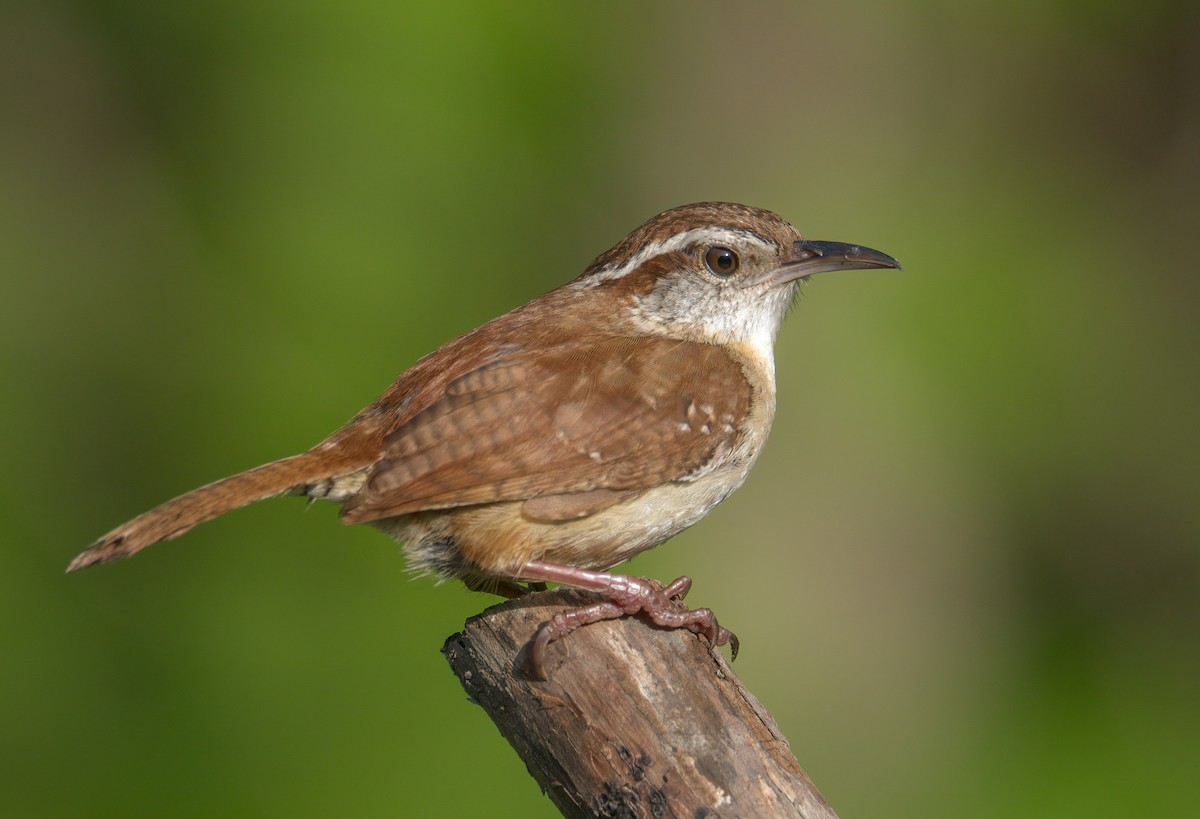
{"x":722,"y":261}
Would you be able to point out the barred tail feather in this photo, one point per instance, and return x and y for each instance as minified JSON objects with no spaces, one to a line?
{"x":173,"y":518}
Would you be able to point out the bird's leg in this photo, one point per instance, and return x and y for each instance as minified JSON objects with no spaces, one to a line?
{"x":625,"y":595}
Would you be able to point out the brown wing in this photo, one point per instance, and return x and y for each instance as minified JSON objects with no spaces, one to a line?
{"x":578,"y":427}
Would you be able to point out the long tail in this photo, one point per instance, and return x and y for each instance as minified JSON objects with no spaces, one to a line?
{"x":173,"y":518}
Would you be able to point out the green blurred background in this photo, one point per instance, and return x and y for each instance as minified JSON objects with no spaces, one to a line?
{"x":965,"y":571}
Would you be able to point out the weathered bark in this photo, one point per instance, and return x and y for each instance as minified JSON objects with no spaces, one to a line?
{"x":633,"y":721}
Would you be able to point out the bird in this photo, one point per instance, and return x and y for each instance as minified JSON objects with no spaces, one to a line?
{"x":562,"y":438}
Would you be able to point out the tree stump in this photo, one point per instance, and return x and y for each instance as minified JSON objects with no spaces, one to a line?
{"x":634,"y":720}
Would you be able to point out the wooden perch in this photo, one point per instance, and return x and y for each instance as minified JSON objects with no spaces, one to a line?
{"x":633,"y":721}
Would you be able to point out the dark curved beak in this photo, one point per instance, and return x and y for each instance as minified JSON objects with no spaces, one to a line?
{"x":810,"y":257}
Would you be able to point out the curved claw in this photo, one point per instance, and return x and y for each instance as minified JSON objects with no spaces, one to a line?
{"x":535,"y":653}
{"x":718,"y":635}
{"x":729,"y":637}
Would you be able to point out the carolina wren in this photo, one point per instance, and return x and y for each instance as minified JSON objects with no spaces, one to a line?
{"x":566,"y":436}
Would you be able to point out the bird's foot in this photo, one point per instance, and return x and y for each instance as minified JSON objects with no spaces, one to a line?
{"x":624,"y":595}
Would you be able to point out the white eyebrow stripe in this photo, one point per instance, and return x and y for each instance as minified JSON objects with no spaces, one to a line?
{"x":713,"y":235}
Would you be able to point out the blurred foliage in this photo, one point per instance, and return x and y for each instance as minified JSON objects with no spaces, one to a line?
{"x":965,"y":572}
